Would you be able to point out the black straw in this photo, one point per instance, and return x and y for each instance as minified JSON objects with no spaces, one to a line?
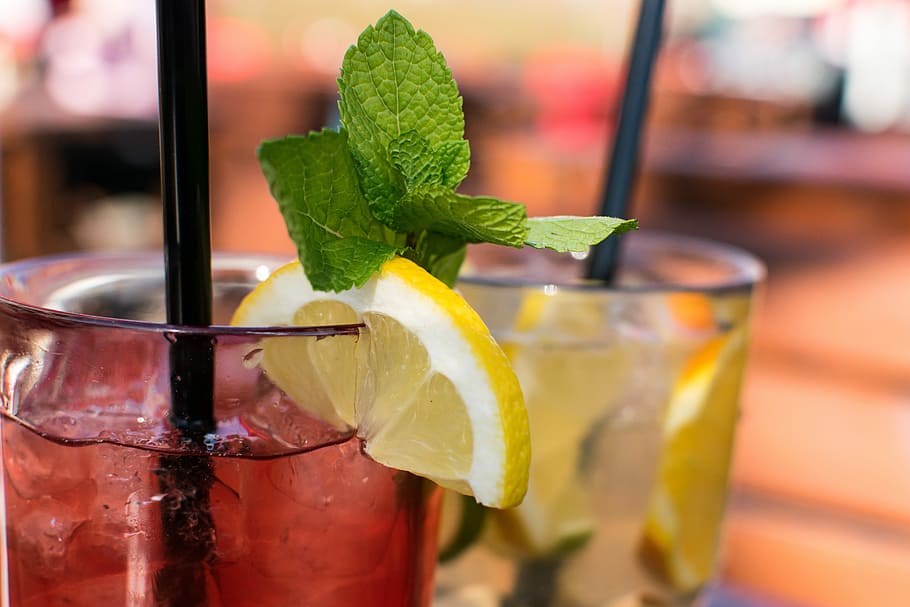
{"x":183,"y":119}
{"x":183,"y":110}
{"x":623,"y":162}
{"x":187,"y":526}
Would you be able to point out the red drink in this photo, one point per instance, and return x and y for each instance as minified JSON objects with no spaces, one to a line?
{"x":83,"y":527}
{"x":294,"y":511}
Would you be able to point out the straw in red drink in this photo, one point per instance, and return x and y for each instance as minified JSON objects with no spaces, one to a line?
{"x":187,"y":528}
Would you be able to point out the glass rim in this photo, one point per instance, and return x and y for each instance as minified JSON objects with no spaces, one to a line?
{"x":749,"y":269}
{"x":147,"y":259}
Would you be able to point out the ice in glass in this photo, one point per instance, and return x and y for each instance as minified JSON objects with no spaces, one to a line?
{"x":293,"y":512}
{"x":632,"y":394}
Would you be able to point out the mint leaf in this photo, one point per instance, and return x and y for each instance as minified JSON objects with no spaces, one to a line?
{"x":471,"y":219}
{"x":347,"y":262}
{"x":385,"y":184}
{"x":411,"y":156}
{"x":445,"y":166}
{"x":454,"y":159}
{"x":394,"y":81}
{"x":314,"y":181}
{"x":568,"y":233}
{"x":440,"y":255}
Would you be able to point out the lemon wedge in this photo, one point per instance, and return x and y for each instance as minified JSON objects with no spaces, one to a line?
{"x":426,"y":387}
{"x":683,"y":521}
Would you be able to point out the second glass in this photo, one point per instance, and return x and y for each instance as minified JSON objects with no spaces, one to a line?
{"x":632,"y":392}
{"x":278,"y":508}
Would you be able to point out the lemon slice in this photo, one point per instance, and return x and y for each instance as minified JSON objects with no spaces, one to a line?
{"x":682,"y":525}
{"x":426,"y":387}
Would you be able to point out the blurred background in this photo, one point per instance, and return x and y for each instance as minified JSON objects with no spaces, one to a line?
{"x":782,"y":126}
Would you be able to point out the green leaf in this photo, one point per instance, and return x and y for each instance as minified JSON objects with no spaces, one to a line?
{"x":445,"y":166}
{"x":470,"y":525}
{"x":454,"y":159}
{"x":348,"y":262}
{"x":471,"y":219}
{"x":314,"y":181}
{"x":384,"y":184}
{"x":568,"y":233}
{"x":394,"y":81}
{"x":440,"y":255}
{"x":411,"y":156}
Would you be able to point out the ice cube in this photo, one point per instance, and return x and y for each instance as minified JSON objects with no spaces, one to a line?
{"x":43,"y":535}
{"x":37,"y":467}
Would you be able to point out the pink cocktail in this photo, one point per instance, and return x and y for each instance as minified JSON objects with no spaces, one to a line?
{"x":285,"y":510}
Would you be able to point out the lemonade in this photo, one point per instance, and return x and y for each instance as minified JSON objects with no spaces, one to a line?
{"x":632,"y":396}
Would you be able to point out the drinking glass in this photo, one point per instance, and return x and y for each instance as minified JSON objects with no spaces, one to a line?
{"x":279,"y":508}
{"x":632,"y":392}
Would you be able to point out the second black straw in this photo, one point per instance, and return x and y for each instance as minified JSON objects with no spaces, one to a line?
{"x":623,"y":159}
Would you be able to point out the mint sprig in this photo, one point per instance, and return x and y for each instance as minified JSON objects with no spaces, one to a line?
{"x":314,"y":181}
{"x":384,"y":184}
{"x":394,"y":88}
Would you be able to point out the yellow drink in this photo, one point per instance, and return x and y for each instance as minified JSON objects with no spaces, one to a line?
{"x":632,"y":394}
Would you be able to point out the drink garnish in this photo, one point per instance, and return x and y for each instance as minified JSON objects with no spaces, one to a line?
{"x":381,"y":233}
{"x":384,"y":184}
{"x":426,"y":387}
